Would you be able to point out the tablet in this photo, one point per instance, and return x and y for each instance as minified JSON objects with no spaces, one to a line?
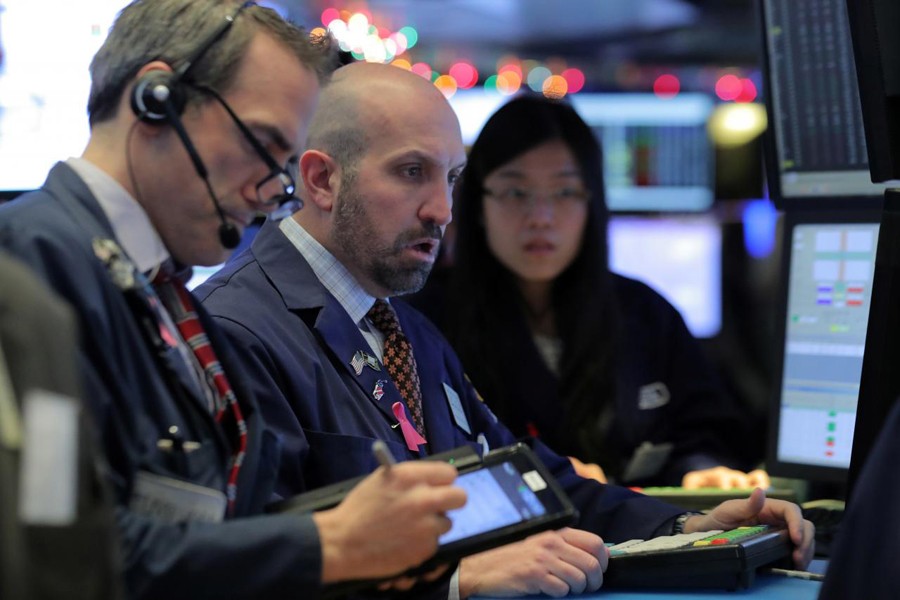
{"x":511,"y":495}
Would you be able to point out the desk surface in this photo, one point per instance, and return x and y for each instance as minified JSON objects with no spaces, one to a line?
{"x":770,"y":587}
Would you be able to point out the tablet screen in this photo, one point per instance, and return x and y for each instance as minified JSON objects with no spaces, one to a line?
{"x":497,"y":496}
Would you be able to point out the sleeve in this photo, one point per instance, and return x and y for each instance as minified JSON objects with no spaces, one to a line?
{"x":702,"y":421}
{"x":612,"y":512}
{"x":708,"y":428}
{"x":250,"y":557}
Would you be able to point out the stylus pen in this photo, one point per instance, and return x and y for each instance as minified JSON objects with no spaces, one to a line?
{"x":796,"y":574}
{"x":381,"y":452}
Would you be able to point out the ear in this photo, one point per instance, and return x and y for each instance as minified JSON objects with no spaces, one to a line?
{"x":321,"y":178}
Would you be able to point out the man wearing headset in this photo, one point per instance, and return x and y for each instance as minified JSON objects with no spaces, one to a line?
{"x":196,"y":108}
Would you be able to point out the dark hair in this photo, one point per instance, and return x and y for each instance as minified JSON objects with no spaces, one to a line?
{"x":170,"y":30}
{"x":486,"y":308}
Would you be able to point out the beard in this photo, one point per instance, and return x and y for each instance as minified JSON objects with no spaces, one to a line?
{"x":384,"y":263}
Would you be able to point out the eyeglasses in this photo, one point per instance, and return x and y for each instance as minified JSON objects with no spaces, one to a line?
{"x":286,"y":202}
{"x":523,"y":202}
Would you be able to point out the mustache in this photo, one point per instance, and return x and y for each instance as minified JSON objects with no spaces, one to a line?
{"x":430,"y":230}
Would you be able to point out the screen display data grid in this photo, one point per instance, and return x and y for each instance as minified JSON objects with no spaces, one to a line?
{"x":814,"y":101}
{"x":497,"y":497}
{"x":829,"y":293}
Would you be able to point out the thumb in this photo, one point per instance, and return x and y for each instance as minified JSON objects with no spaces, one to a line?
{"x":754,"y":503}
{"x":733,"y":513}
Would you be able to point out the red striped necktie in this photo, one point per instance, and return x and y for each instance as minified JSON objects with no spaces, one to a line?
{"x":227,"y":411}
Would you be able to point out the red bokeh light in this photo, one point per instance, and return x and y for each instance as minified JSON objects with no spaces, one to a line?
{"x":666,"y":85}
{"x":748,"y":91}
{"x":574,"y":79}
{"x":465,"y":75}
{"x":729,"y":87}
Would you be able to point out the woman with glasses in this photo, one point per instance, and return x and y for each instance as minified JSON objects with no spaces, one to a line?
{"x":600,"y":367}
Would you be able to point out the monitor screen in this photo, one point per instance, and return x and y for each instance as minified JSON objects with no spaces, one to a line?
{"x":46,"y":48}
{"x":678,"y":256}
{"x":657,"y":155}
{"x":44,"y":84}
{"x":473,"y":107}
{"x":830,"y":263}
{"x":817,"y":143}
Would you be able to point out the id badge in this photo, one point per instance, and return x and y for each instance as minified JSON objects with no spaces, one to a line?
{"x":174,"y":501}
{"x":648,"y":460}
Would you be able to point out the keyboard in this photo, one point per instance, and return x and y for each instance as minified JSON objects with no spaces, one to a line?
{"x":709,"y":559}
{"x":704,"y":498}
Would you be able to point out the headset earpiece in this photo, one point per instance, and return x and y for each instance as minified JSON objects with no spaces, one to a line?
{"x":152,"y":92}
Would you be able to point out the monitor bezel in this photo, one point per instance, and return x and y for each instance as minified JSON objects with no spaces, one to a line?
{"x":790,"y":220}
{"x":771,"y":160}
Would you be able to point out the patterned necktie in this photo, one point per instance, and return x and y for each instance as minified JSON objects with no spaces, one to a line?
{"x":227,"y":411}
{"x":399,"y":360}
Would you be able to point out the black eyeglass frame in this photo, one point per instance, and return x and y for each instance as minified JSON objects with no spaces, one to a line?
{"x":287,"y":201}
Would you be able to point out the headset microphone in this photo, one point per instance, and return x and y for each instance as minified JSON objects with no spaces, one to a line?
{"x":160,"y":97}
{"x":229,"y":236}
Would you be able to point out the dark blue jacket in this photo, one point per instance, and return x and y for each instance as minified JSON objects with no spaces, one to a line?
{"x":135,"y":399}
{"x":666,"y":391}
{"x":298,"y":344}
{"x":866,"y":552}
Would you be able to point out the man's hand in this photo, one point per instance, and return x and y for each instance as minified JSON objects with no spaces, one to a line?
{"x":725,"y":478}
{"x":388,"y":523}
{"x":555,"y":563}
{"x":755,"y":510}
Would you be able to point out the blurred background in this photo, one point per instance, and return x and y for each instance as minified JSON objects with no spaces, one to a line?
{"x":672,"y":87}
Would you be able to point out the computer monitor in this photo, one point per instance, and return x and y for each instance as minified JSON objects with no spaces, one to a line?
{"x":680,"y":256}
{"x":473,"y":107}
{"x":657,"y":153}
{"x":829,"y":262}
{"x":873,"y":26}
{"x":816,"y":144}
{"x":44,"y":84}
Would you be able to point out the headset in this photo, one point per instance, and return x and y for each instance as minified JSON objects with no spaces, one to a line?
{"x":159,"y":98}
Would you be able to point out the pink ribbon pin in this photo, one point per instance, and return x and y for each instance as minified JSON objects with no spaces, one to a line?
{"x":412,"y":437}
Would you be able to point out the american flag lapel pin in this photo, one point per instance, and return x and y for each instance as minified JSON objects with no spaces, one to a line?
{"x":358,"y":362}
{"x":378,"y":392}
{"x":361,"y":360}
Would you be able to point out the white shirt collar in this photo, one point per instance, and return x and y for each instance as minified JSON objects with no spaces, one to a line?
{"x":130,"y":222}
{"x":329,"y":270}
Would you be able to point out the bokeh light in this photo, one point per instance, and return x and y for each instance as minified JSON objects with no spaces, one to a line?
{"x":555,"y":86}
{"x":728,"y":87}
{"x":666,"y":86}
{"x":748,"y":91}
{"x":402,"y":63}
{"x":422,"y":69}
{"x":465,"y":74}
{"x":329,"y":15}
{"x":446,"y":84}
{"x":574,"y":79}
{"x":411,"y":35}
{"x":509,"y":82}
{"x":536,"y":78}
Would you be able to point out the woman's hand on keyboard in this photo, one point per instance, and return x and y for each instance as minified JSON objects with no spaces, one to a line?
{"x":758,"y":509}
